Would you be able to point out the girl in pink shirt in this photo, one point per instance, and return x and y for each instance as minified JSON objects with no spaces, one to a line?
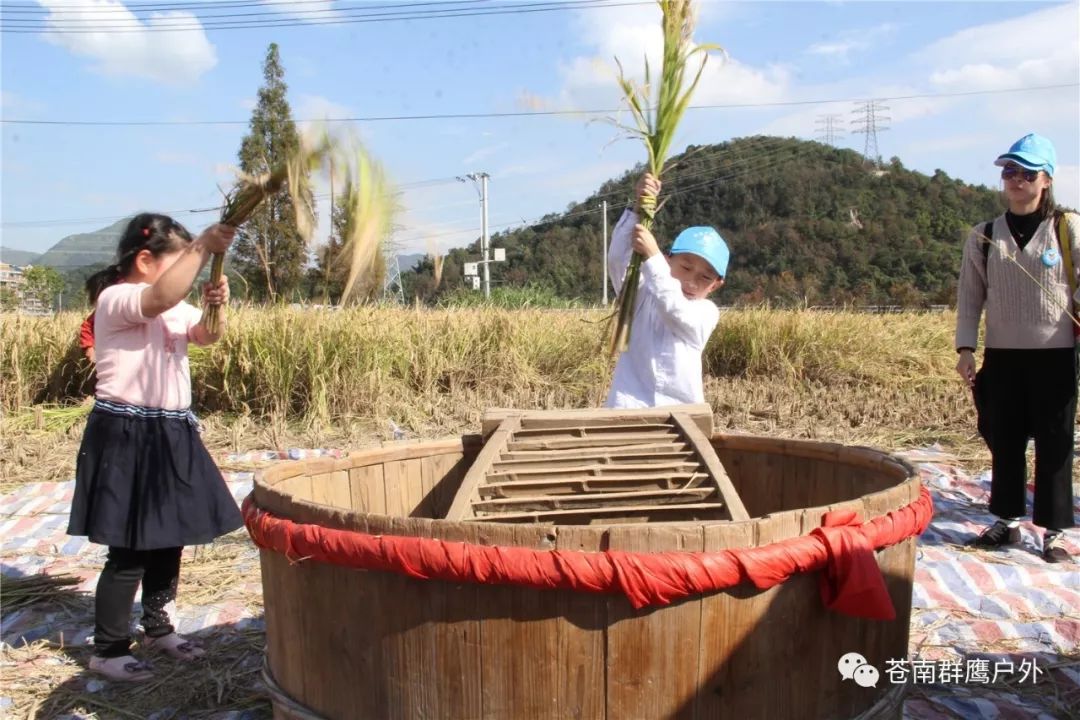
{"x":145,"y":485}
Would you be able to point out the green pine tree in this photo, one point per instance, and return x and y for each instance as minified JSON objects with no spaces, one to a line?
{"x":269,"y":252}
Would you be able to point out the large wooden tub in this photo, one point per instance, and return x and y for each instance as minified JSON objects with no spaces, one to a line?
{"x":345,"y":643}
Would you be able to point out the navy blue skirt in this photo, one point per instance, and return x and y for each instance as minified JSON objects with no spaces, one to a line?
{"x":144,"y":481}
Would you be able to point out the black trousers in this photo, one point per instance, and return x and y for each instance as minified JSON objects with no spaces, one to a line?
{"x":1025,"y":394}
{"x":158,"y":571}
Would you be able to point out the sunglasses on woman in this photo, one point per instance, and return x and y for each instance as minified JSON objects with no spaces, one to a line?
{"x":1011,"y":171}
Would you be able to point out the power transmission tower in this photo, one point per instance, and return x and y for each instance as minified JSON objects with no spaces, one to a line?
{"x":828,"y":128}
{"x":869,"y":123}
{"x":392,"y":290}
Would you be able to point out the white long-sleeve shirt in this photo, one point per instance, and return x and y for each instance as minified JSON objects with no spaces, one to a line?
{"x":662,"y":365}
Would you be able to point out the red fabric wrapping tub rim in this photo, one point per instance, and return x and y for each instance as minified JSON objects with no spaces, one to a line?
{"x":843,"y":547}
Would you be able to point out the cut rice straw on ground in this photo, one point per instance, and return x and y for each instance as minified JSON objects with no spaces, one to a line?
{"x":20,"y":592}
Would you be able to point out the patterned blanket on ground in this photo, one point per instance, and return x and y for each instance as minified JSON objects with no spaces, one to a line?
{"x":994,"y":635}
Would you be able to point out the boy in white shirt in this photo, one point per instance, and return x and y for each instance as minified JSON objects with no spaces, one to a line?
{"x":673,"y":318}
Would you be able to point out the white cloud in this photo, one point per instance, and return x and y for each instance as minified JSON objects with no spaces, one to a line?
{"x":309,"y":10}
{"x":633,"y":34}
{"x":840,"y":48}
{"x":1039,"y":48}
{"x":122,"y":44}
{"x":851,"y":42}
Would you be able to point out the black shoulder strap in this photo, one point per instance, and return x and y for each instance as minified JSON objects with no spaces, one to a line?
{"x":986,"y":236}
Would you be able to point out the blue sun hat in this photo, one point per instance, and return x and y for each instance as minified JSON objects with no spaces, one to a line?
{"x":1032,"y":152}
{"x":706,"y":243}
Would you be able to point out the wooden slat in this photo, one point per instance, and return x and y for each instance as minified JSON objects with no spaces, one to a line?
{"x":626,"y":459}
{"x":396,"y":488}
{"x":520,"y":683}
{"x":417,"y":489}
{"x":692,"y":510}
{"x":615,"y":440}
{"x":700,"y":412}
{"x":460,"y":508}
{"x":458,"y":652}
{"x":367,"y":490}
{"x":297,"y":488}
{"x":659,"y":450}
{"x":615,"y":474}
{"x":800,"y":487}
{"x":320,"y":489}
{"x":712,"y":462}
{"x":582,"y":628}
{"x":593,"y":470}
{"x":592,"y":431}
{"x":533,"y":503}
{"x":652,"y":654}
{"x":283,"y":612}
{"x":443,"y":474}
{"x":725,"y":624}
{"x":592,"y":484}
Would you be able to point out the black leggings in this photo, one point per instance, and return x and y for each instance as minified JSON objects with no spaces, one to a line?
{"x":159,"y":571}
{"x":1029,"y":394}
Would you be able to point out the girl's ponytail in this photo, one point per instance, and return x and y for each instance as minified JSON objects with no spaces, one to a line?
{"x":101,"y":280}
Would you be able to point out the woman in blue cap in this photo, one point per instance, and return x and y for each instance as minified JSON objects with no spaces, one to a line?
{"x":1014,"y":269}
{"x":673,"y":318}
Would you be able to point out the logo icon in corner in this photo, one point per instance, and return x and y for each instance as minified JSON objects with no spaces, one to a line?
{"x":853,"y":666}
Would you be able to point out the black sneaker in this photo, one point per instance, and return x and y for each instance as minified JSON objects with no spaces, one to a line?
{"x":997,"y":535}
{"x":1054,"y":550}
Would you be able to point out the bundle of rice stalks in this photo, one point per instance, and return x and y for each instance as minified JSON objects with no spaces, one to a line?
{"x":369,"y":206}
{"x":437,"y":263}
{"x":367,"y":198}
{"x":20,"y":592}
{"x":656,"y":120}
{"x":47,"y":418}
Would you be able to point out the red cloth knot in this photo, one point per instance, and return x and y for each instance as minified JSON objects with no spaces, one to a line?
{"x":851,"y":581}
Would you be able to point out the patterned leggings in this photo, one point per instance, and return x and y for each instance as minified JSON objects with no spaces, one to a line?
{"x":158,"y":571}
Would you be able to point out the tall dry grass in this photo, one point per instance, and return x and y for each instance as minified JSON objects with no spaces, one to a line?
{"x":417,"y":365}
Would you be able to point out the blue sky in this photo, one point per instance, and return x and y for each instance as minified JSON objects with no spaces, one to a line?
{"x":62,"y":179}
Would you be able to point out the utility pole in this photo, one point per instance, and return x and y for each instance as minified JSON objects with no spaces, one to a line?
{"x":604,"y":249}
{"x":869,"y":124}
{"x":484,"y":234}
{"x":484,"y":260}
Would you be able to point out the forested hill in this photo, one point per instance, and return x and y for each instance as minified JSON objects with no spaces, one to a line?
{"x":806,"y":222}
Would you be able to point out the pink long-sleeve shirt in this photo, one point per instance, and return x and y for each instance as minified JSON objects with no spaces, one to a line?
{"x":142,"y":361}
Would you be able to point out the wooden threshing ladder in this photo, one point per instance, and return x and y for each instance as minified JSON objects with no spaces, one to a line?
{"x":597,"y":467}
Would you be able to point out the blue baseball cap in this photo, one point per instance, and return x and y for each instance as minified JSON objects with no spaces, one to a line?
{"x":1032,"y":152}
{"x":706,"y":243}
